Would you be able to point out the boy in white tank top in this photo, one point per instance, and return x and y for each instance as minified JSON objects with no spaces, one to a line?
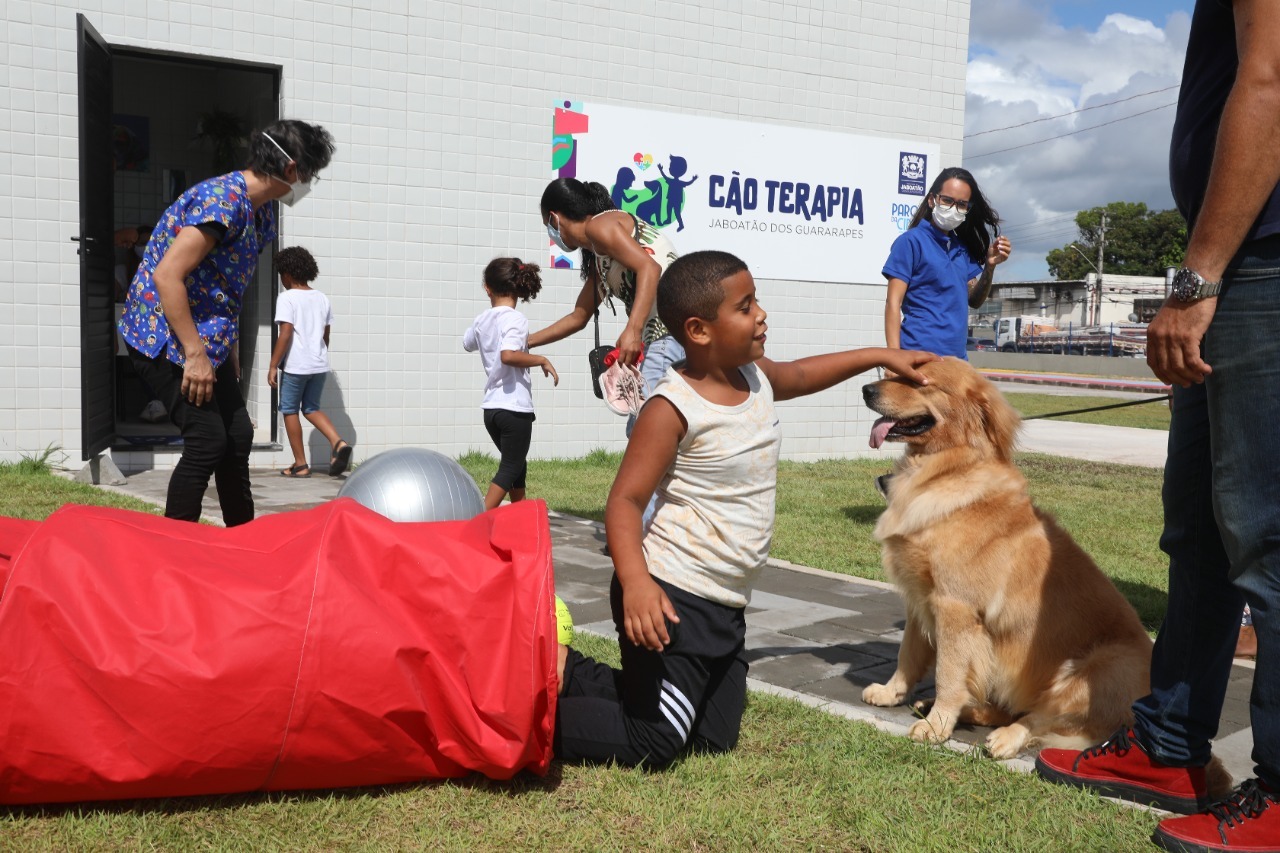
{"x":707,"y":443}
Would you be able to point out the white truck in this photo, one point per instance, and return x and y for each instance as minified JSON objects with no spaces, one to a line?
{"x":1028,"y":333}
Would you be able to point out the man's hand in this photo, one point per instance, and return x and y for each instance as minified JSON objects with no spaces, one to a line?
{"x":645,"y":608}
{"x":549,"y":370}
{"x":271,"y":375}
{"x":1173,"y":341}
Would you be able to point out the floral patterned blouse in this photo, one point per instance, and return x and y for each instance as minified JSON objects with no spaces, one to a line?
{"x":617,"y":280}
{"x":215,"y":288}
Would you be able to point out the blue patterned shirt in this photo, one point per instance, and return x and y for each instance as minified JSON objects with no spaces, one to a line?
{"x":215,"y":288}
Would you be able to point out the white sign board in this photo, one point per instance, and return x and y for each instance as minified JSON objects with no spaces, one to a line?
{"x":797,"y":204}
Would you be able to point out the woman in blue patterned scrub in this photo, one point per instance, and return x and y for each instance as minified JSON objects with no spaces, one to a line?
{"x":182,"y":315}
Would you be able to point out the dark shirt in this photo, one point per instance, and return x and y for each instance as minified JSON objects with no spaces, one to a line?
{"x":1207,"y":78}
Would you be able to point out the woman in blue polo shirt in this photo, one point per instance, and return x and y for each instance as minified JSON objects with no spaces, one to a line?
{"x":182,"y":314}
{"x":942,"y":266}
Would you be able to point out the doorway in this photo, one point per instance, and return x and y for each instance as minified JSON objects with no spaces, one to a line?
{"x":171,"y":121}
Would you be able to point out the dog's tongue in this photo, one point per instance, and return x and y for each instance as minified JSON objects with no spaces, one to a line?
{"x":879,"y":430}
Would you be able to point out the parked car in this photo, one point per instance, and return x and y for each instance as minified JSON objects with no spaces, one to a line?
{"x":980,"y":345}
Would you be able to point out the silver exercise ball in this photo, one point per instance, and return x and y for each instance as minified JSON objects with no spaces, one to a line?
{"x":414,"y":484}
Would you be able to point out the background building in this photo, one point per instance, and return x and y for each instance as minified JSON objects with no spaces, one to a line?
{"x":442,"y":115}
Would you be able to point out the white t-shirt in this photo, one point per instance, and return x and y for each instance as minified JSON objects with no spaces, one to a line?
{"x":308,"y":311}
{"x":713,"y":520}
{"x":502,"y":328}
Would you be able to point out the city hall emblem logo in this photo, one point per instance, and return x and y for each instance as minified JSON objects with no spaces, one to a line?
{"x":911,"y":168}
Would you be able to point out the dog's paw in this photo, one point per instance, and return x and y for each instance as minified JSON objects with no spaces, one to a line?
{"x":1007,"y":742}
{"x":882,"y":695}
{"x":930,"y":730}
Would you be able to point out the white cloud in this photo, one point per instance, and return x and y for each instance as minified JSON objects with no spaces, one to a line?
{"x":1025,"y":66}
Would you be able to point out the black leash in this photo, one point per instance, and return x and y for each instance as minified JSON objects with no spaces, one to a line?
{"x":1098,"y":408}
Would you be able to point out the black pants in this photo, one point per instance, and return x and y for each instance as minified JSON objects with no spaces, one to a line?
{"x":691,"y":694}
{"x":216,"y":438}
{"x":511,"y":433}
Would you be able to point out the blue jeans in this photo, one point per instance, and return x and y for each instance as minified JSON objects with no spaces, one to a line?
{"x":1222,"y":527}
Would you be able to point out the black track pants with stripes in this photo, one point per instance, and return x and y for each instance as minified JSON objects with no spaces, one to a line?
{"x":689,"y":695}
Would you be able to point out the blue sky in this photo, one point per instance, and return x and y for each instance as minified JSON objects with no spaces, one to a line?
{"x":1089,"y":14}
{"x":1069,"y":105}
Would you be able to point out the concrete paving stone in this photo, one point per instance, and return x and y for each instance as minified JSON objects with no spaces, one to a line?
{"x":798,"y":668}
{"x":832,"y":634}
{"x":762,"y":643}
{"x":584,"y":557}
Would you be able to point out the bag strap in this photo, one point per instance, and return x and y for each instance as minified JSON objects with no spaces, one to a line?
{"x":597,"y":327}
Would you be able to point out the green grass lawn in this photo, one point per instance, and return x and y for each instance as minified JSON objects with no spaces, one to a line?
{"x":1149,"y":415}
{"x":800,"y":778}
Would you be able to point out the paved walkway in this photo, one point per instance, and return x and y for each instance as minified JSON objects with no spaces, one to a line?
{"x":815,"y":636}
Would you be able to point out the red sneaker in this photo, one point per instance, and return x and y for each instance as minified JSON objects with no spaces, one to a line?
{"x":1121,"y":768}
{"x":1247,"y":819}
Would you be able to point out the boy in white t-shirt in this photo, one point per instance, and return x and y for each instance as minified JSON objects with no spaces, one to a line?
{"x":707,"y":443}
{"x":300,"y":360}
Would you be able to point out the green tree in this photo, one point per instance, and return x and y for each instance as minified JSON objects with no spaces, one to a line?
{"x":1138,"y":242}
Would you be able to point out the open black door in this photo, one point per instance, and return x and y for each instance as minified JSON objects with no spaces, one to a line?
{"x":97,"y":258}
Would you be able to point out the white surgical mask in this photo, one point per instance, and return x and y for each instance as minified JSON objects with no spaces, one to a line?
{"x":298,"y":189}
{"x":947,"y":218}
{"x":554,"y":234}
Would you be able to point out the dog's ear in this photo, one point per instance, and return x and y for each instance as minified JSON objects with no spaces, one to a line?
{"x":1000,"y":421}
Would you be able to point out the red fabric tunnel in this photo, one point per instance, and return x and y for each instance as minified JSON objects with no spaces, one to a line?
{"x":144,"y":657}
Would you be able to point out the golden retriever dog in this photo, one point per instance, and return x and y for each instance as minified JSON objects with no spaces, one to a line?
{"x":1023,"y":630}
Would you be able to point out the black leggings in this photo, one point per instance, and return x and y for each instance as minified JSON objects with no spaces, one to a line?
{"x":216,"y":438}
{"x":511,"y":433}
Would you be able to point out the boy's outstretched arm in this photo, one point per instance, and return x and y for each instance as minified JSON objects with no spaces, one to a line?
{"x":650,"y":452}
{"x":819,"y":372}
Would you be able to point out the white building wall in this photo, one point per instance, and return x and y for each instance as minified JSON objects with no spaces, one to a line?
{"x":442,"y":115}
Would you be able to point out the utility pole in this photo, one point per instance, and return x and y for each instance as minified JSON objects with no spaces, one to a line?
{"x":1097,"y":297}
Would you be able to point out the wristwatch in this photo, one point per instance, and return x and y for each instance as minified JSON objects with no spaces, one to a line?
{"x":1190,"y":286}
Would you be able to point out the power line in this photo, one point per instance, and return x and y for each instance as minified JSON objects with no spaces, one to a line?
{"x":1069,"y":133}
{"x":1073,"y":112}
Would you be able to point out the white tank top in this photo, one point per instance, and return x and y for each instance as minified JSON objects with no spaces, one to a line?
{"x":713,"y":520}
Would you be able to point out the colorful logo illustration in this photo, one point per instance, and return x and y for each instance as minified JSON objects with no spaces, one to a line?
{"x":658,"y":202}
{"x":911,"y":173}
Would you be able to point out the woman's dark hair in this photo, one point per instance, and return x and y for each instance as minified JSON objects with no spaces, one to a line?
{"x":309,"y":145}
{"x":576,"y":200}
{"x":513,"y":277}
{"x":693,"y":287}
{"x":981,"y":225}
{"x":297,"y":263}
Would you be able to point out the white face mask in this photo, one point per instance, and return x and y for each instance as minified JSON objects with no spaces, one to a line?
{"x":554,"y":234}
{"x":947,"y":218}
{"x":298,"y":189}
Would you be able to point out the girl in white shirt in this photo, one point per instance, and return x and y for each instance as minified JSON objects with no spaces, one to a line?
{"x":501,"y":334}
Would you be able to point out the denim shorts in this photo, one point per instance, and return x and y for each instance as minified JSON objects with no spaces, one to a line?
{"x":300,"y":389}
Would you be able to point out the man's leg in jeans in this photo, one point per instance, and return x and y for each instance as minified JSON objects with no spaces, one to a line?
{"x":231,"y":473}
{"x":1191,"y":661}
{"x":1243,"y":349}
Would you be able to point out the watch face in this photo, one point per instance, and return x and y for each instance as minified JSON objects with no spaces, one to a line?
{"x":1186,"y":285}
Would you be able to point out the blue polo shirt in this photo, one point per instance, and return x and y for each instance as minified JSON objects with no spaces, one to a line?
{"x":937,"y":268}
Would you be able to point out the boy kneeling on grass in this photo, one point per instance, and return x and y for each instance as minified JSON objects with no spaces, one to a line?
{"x":707,"y":441}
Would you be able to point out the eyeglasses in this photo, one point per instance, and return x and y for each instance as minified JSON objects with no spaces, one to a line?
{"x":947,"y":201}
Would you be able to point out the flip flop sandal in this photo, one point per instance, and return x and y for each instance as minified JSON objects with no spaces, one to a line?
{"x":340,"y":460}
{"x":296,"y":472}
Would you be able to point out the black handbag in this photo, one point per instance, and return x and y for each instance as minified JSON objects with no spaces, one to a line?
{"x":596,"y":358}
